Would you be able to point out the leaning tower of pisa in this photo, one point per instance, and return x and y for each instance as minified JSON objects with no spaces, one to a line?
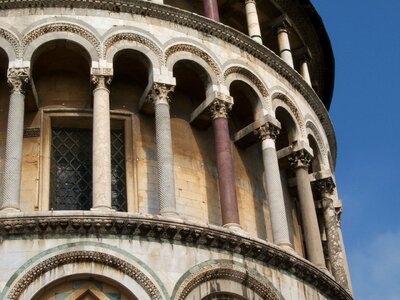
{"x":167,"y":149}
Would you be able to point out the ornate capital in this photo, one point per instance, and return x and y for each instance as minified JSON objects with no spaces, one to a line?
{"x":300,"y":159}
{"x":325,"y":186}
{"x":101,"y":78}
{"x":18,"y":79}
{"x":160,"y":93}
{"x":219,"y":108}
{"x":267,"y":131}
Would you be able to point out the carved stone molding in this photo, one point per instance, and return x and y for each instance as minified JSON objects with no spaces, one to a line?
{"x":11,"y":38}
{"x":101,"y":78}
{"x":197,"y":52}
{"x":160,"y":93}
{"x":246,"y":73}
{"x":84,"y":257}
{"x":133,"y":37}
{"x":296,"y":112}
{"x":300,"y":159}
{"x":61,"y":27}
{"x":225,"y":271}
{"x":18,"y":79}
{"x":267,"y":131}
{"x":158,"y":229}
{"x":219,"y":108}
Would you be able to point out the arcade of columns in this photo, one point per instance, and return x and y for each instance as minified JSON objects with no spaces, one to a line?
{"x":219,"y":109}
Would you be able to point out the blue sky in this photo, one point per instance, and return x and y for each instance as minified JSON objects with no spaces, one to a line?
{"x":365,"y":36}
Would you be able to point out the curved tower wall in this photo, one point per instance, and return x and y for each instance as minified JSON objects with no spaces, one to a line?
{"x":151,"y":153}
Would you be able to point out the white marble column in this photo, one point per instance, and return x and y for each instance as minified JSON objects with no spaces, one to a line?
{"x":280,"y":227}
{"x":17,"y":78}
{"x":304,"y":71}
{"x":300,"y":161}
{"x":165,"y":159}
{"x":253,"y":24}
{"x":284,"y":45}
{"x":101,"y":143}
{"x":335,"y":249}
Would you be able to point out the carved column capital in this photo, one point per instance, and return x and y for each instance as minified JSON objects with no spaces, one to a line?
{"x":267,"y":131}
{"x":101,"y":78}
{"x":249,"y":1}
{"x":220,"y":108}
{"x":300,"y":159}
{"x":160,"y":93}
{"x":18,"y":79}
{"x":325,"y":186}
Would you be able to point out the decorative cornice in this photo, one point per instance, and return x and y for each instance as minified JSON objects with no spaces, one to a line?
{"x":84,"y":257}
{"x":45,"y":225}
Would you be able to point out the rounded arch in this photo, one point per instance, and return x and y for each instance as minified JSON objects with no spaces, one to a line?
{"x":122,"y":40}
{"x":226,"y":277}
{"x":313,"y":131}
{"x":10,"y":43}
{"x":65,"y":31}
{"x":240,"y":73}
{"x":31,"y":281}
{"x":280,"y":98}
{"x":178,"y":52}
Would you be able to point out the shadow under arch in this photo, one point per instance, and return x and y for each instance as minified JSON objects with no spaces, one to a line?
{"x":216,"y":274}
{"x":84,"y":252}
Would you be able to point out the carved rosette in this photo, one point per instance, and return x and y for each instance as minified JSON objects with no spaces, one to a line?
{"x":300,"y":159}
{"x":18,"y":79}
{"x":160,"y":93}
{"x":325,"y":186}
{"x":220,"y":108}
{"x":267,"y":131}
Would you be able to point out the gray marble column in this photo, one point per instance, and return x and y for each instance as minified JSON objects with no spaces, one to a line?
{"x":335,"y":250}
{"x":101,"y":143}
{"x":253,"y":24}
{"x":300,"y":161}
{"x":280,"y":228}
{"x":285,"y":50}
{"x":304,"y":71}
{"x":17,"y":78}
{"x":165,"y":159}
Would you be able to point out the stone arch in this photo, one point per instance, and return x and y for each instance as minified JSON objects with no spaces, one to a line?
{"x":118,"y":41}
{"x":35,"y":277}
{"x":67,"y":31}
{"x":223,"y":272}
{"x":196,"y":54}
{"x":236,"y":72}
{"x":10,"y":43}
{"x":279,"y":98}
{"x":312,"y":130}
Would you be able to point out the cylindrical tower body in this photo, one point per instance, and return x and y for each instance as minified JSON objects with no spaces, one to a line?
{"x":175,"y":179}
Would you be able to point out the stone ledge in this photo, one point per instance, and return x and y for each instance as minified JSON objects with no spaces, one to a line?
{"x":208,"y":27}
{"x":128,"y":225}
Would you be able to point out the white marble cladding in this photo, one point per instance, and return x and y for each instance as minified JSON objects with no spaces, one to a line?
{"x":104,"y":33}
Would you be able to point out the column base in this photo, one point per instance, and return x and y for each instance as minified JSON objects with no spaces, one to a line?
{"x":234,"y":227}
{"x":171,"y":214}
{"x":8,"y":210}
{"x":102,"y":208}
{"x":287,"y":247}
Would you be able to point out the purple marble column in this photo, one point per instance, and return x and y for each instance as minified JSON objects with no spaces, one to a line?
{"x":211,"y":9}
{"x":226,"y":174}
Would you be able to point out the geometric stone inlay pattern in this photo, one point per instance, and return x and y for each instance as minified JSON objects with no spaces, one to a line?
{"x":85,"y":257}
